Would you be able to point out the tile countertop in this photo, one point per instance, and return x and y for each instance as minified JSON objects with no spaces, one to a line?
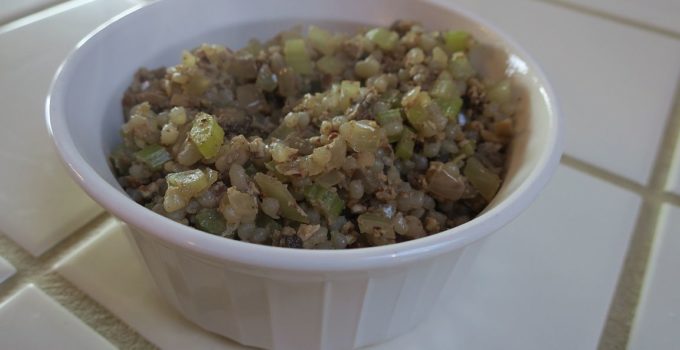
{"x":612,"y":211}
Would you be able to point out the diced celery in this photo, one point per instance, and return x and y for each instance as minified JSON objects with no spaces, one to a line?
{"x":444,"y":86}
{"x":327,"y":201}
{"x":389,"y":116}
{"x":417,"y":116}
{"x":154,"y":156}
{"x":350,"y":89}
{"x":207,"y":135}
{"x":322,"y":40}
{"x":460,"y":66}
{"x":501,"y":92}
{"x":367,"y":67}
{"x":362,"y":136}
{"x":450,"y":107}
{"x":197,"y":85}
{"x":273,"y":188}
{"x":404,"y":148}
{"x":331,"y":65}
{"x":384,"y":38}
{"x":188,"y":59}
{"x":377,"y":227}
{"x":297,"y":57}
{"x":281,"y":132}
{"x":392,"y":123}
{"x":468,"y":147}
{"x":485,"y":181}
{"x":210,"y":220}
{"x":439,"y":58}
{"x":456,"y":40}
{"x":190,"y":181}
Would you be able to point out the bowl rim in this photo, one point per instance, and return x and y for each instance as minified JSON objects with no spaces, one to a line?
{"x":268,"y":257}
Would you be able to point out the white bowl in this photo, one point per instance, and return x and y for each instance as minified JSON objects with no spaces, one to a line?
{"x":276,"y":297}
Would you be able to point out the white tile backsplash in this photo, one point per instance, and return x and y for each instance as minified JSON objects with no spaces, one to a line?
{"x":31,"y":320}
{"x":615,"y":83}
{"x":657,"y":320}
{"x":35,"y":185}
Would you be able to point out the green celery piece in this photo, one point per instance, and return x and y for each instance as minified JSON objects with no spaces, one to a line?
{"x":274,"y":188}
{"x":321,"y":40}
{"x":404,"y":148}
{"x":154,"y":156}
{"x":361,"y":135}
{"x":485,"y":181}
{"x":417,"y":115}
{"x":210,"y":220}
{"x":328,"y":202}
{"x":468,"y":147}
{"x":450,"y":107}
{"x":456,"y":40}
{"x":384,"y":38}
{"x":350,"y":89}
{"x":460,"y":66}
{"x":207,"y":135}
{"x":444,"y":88}
{"x":370,"y":221}
{"x":297,"y":57}
{"x":330,"y":65}
{"x":389,"y":116}
{"x":188,"y":182}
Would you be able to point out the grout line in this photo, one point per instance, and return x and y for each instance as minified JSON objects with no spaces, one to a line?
{"x":671,"y":198}
{"x":31,"y":11}
{"x":617,"y":329}
{"x":39,"y":272}
{"x":605,"y":175}
{"x":615,"y":18}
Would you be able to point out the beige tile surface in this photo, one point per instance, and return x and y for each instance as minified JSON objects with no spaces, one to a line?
{"x":110,"y":271}
{"x":32,"y":320}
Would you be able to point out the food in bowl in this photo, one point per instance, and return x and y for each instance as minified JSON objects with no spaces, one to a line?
{"x":328,"y":141}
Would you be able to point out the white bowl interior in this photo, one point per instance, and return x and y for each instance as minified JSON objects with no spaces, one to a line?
{"x":85,"y":112}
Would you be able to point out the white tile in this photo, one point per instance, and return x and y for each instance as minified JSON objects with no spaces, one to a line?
{"x":543,"y":282}
{"x":615,"y":83}
{"x":6,"y":270}
{"x":132,"y":295}
{"x":34,"y":185}
{"x":32,"y":320}
{"x":657,"y":319}
{"x":657,"y":13}
{"x":13,"y":9}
